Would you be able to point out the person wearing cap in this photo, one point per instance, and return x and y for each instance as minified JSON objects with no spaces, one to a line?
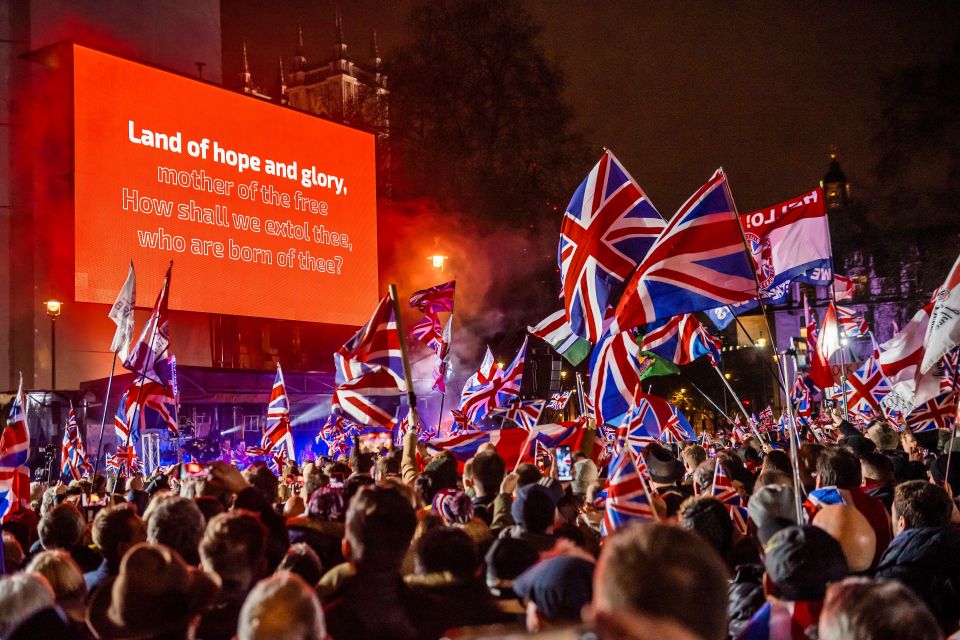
{"x":925,"y":554}
{"x":555,"y":590}
{"x":839,"y":479}
{"x":799,"y":562}
{"x":155,"y":595}
{"x":533,"y":510}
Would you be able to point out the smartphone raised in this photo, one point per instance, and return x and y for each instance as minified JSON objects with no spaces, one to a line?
{"x":564,"y":463}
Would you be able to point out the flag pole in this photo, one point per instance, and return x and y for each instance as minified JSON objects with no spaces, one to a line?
{"x":412,"y":417}
{"x":743,"y":410}
{"x":794,"y":449}
{"x":706,"y":397}
{"x":953,"y":432}
{"x":443,"y":394}
{"x":103,"y":418}
{"x":580,"y":395}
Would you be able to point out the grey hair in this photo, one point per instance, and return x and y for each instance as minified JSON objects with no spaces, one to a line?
{"x":281,"y":607}
{"x":22,"y":595}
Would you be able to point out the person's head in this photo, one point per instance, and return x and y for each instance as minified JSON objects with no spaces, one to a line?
{"x":506,"y":559}
{"x":533,"y":508}
{"x":12,"y":554}
{"x":234,"y":548}
{"x":388,"y":465}
{"x":663,"y":467}
{"x":61,"y":528}
{"x":178,"y":523}
{"x":877,"y":467}
{"x":772,"y":476}
{"x":808,"y":456}
{"x":852,"y":530}
{"x":302,"y":560}
{"x":155,"y":594}
{"x":262,"y":479}
{"x":918,"y":504}
{"x":116,"y":529}
{"x":362,"y":462}
{"x":327,"y":504}
{"x":709,"y":518}
{"x":555,"y":590}
{"x":527,"y":474}
{"x":380,"y":526}
{"x":692,"y":456}
{"x":938,"y":472}
{"x":488,"y":471}
{"x":908,"y":441}
{"x":838,"y":467}
{"x":771,"y":508}
{"x":446,"y":549}
{"x":703,"y":476}
{"x":884,"y":436}
{"x":313,"y":479}
{"x":282,"y":607}
{"x":800,"y":561}
{"x":65,"y":578}
{"x":21,"y":596}
{"x":868,"y":609}
{"x":665,"y":572}
{"x":777,"y":460}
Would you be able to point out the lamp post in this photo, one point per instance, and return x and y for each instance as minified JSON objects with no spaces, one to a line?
{"x":437,"y":261}
{"x":54,"y":308}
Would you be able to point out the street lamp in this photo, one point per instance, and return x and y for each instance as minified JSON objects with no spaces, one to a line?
{"x":54,"y":309}
{"x":437,"y":261}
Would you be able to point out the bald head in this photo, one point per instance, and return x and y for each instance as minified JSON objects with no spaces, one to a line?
{"x":851,"y":529}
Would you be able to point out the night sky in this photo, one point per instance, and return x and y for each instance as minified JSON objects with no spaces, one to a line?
{"x":676,"y":89}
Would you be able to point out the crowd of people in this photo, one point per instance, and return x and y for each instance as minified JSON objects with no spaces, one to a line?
{"x":400,"y":544}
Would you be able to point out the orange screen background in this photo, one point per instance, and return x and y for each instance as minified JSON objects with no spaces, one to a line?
{"x":109,"y":92}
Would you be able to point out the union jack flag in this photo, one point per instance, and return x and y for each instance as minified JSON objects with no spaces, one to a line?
{"x":526,"y":413}
{"x":435,"y":299}
{"x":277,"y":435}
{"x":337,"y":435}
{"x":144,"y":405}
{"x":513,"y":445}
{"x":558,"y":401}
{"x":625,"y":496}
{"x":371,"y":399}
{"x":697,"y":263}
{"x":852,"y":323}
{"x":801,"y":398}
{"x":15,"y":440}
{"x":460,"y":422}
{"x":950,"y":371}
{"x":441,"y":366}
{"x":490,"y":387}
{"x":938,"y":413}
{"x":375,"y":346}
{"x":662,"y":420}
{"x":73,"y":458}
{"x":616,"y":370}
{"x":724,"y":492}
{"x":609,"y":225}
{"x":278,"y":461}
{"x":681,"y":339}
{"x":428,"y":331}
{"x":125,"y":461}
{"x":865,"y":388}
{"x":633,"y":432}
{"x":766,"y":417}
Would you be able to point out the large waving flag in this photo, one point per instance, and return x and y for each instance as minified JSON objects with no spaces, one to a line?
{"x":491,"y":387}
{"x":370,"y":399}
{"x":698,"y":262}
{"x":938,"y":413}
{"x":852,"y":323}
{"x":900,"y":359}
{"x":556,"y":332}
{"x":277,"y":435}
{"x":526,"y":413}
{"x":625,"y":495}
{"x":943,"y":332}
{"x":681,"y":340}
{"x":789,"y":242}
{"x":435,"y":299}
{"x":125,"y":461}
{"x":122,"y":314}
{"x":375,"y":345}
{"x":608,"y":227}
{"x":616,"y":370}
{"x":865,"y":388}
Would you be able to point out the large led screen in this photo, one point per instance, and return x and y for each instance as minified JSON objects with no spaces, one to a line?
{"x":264,"y":211}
